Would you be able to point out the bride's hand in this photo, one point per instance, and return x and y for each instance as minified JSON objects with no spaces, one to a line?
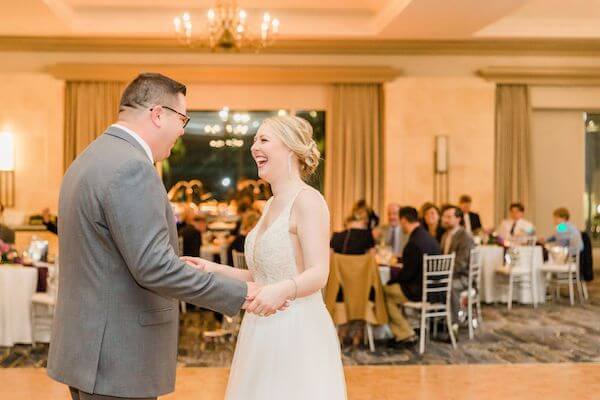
{"x":196,"y":262}
{"x":272,"y":298}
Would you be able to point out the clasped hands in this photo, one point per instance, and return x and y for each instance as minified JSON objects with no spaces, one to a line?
{"x":260,"y":300}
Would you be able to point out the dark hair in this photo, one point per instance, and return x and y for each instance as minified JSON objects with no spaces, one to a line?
{"x":428,"y":206}
{"x":410,"y":214}
{"x":562,"y":212}
{"x":457,"y":211}
{"x":1,"y":208}
{"x":149,"y":89}
{"x":465,"y":198}
{"x":518,"y":206}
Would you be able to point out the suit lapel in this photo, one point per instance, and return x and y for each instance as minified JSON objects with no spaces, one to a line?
{"x":121,"y":134}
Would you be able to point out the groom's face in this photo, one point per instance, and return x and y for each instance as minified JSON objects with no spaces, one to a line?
{"x":171,"y":126}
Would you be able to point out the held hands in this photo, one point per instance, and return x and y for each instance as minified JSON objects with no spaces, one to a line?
{"x":271,"y":298}
{"x":197,"y":263}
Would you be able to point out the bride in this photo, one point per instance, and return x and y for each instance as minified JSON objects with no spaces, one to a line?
{"x":287,"y":346}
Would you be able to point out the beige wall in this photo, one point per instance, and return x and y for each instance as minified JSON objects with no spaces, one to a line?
{"x":31,"y":109}
{"x":558,"y":142}
{"x":418,"y":109}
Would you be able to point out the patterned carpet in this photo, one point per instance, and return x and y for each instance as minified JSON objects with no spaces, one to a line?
{"x":555,"y":332}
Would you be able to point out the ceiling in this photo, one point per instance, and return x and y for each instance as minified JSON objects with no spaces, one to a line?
{"x":314,"y":19}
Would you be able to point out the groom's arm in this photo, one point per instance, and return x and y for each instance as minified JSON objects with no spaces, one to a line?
{"x":134,"y":206}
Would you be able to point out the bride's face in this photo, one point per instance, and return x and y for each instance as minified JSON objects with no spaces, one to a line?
{"x":270,"y":154}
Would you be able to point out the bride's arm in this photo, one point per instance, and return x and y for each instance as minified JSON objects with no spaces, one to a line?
{"x":312,"y":216}
{"x":225,"y":270}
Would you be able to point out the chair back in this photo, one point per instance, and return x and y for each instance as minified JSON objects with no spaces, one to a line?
{"x":239,"y":260}
{"x":474,"y":270}
{"x":437,"y":278}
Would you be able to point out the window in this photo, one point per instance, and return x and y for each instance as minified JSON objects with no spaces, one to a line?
{"x":592,"y":176}
{"x":215,"y":150}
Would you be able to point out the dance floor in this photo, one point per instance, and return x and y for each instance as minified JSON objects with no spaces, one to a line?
{"x":490,"y":382}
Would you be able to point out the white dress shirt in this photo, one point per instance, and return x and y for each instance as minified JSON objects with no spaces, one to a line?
{"x":522,"y":228}
{"x":141,"y":141}
{"x":467,"y":219}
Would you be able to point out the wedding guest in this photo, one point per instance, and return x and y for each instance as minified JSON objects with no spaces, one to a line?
{"x":50,"y":222}
{"x":365,"y":212}
{"x":567,"y":234}
{"x":191,"y":233}
{"x":430,"y":219}
{"x":516,"y":225}
{"x":391,"y":234}
{"x":407,"y":283}
{"x":471,"y":220}
{"x":248,"y":221}
{"x":458,"y":241}
{"x":7,"y":235}
{"x":355,"y":239}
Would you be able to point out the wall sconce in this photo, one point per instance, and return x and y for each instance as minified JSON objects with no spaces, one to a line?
{"x":440,"y":170}
{"x":7,"y":169}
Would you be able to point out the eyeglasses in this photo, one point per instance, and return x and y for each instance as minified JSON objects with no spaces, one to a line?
{"x":184,"y":118}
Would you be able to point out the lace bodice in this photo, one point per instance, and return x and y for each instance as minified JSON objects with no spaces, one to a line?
{"x":270,"y":256}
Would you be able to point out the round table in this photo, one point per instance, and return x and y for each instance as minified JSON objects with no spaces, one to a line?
{"x":17,"y":286}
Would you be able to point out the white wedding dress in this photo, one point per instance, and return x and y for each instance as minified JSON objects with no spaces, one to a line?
{"x":293,"y":354}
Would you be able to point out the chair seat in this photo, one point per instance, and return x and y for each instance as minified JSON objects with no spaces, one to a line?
{"x":426,"y":306}
{"x":507,"y":270}
{"x":558,"y":268}
{"x":43,"y":298}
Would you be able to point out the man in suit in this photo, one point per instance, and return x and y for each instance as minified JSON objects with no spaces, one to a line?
{"x":392,"y":232}
{"x":7,"y":235}
{"x":458,"y":241}
{"x":470,"y":220}
{"x":116,"y":324}
{"x":407,"y":283}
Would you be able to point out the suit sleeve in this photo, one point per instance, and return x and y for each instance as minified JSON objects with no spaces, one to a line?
{"x":134,"y":205}
{"x":410,"y":260}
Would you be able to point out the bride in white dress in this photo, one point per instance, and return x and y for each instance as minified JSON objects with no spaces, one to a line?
{"x":287,"y":346}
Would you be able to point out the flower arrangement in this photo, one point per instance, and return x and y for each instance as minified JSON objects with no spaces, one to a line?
{"x":8,"y":254}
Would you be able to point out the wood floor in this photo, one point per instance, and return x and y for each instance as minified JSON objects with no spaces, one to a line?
{"x":445,"y":382}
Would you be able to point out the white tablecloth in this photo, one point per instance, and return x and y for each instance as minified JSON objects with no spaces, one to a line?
{"x":17,"y":285}
{"x":494,"y":286}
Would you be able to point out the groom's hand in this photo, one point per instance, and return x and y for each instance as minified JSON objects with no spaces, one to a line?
{"x":195,"y":262}
{"x":253,"y":291}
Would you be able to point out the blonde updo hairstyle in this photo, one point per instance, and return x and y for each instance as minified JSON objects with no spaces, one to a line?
{"x":297,"y":134}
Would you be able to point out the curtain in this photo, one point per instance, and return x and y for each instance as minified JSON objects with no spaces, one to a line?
{"x":90,"y":107}
{"x":354,"y":149}
{"x":512,"y":175}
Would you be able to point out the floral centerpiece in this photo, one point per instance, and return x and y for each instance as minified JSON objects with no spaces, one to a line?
{"x":8,"y":254}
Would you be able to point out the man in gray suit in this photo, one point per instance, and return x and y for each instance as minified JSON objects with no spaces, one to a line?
{"x":392,"y":234}
{"x":458,"y":241}
{"x":116,"y":325}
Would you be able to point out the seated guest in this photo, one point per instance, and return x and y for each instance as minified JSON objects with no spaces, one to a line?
{"x":363,"y":211}
{"x":407,"y":283}
{"x":515,"y":225}
{"x":191,"y":233}
{"x":458,"y":241}
{"x":470,"y":220}
{"x":50,"y":222}
{"x":7,"y":235}
{"x":247,"y":223}
{"x":567,"y":234}
{"x":430,"y":219}
{"x":355,"y":239}
{"x":391,"y":234}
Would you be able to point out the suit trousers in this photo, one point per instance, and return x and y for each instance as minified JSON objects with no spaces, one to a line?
{"x":77,"y":394}
{"x":394,"y":298}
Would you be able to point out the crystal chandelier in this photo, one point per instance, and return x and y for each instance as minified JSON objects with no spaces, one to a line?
{"x":227,"y":29}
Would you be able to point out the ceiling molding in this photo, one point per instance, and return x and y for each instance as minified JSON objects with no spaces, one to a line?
{"x":542,"y":75}
{"x":556,"y":47}
{"x":220,"y":74}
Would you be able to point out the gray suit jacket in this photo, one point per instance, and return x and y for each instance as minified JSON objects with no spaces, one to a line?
{"x":116,"y":323}
{"x":461,"y":244}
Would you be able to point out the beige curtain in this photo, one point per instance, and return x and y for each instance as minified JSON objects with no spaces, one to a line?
{"x":355,"y":165}
{"x":512,"y":148}
{"x":90,"y":107}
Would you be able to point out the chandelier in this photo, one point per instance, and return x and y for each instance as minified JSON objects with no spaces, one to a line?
{"x":227,"y":29}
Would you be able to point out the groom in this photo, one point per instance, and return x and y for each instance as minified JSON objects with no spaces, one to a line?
{"x":116,"y":324}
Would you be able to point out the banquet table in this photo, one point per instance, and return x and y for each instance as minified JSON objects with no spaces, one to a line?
{"x":17,"y":286}
{"x":494,"y":286}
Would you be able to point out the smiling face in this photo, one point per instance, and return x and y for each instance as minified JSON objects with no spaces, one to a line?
{"x":270,"y":154}
{"x":169,"y":125}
